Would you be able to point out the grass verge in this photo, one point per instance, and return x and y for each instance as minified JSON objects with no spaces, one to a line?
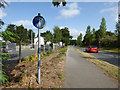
{"x":115,"y":50}
{"x":109,"y":69}
{"x":25,"y":74}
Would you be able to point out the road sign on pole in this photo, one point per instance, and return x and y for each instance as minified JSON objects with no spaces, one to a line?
{"x":39,"y":22}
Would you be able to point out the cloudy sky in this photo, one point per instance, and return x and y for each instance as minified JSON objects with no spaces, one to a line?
{"x":76,"y":15}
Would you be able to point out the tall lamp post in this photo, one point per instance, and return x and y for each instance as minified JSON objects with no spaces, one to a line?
{"x":39,"y":22}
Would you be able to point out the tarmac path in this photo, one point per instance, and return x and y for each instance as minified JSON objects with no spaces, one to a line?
{"x":80,"y":73}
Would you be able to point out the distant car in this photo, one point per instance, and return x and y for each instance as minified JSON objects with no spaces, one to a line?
{"x":3,"y":49}
{"x":92,"y":49}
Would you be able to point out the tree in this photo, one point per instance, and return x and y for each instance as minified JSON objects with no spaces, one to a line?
{"x":48,"y":36}
{"x":79,"y":40}
{"x":57,"y":34}
{"x":87,"y":38}
{"x":117,"y":32}
{"x":58,"y":2}
{"x":109,"y":41}
{"x":66,"y":36}
{"x":103,"y":28}
{"x":16,"y":34}
{"x":93,"y":37}
{"x":73,"y":42}
{"x":3,"y":3}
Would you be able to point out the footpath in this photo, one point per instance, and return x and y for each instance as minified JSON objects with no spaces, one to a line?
{"x":80,"y":73}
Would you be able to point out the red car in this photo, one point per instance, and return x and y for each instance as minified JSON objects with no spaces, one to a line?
{"x":92,"y":49}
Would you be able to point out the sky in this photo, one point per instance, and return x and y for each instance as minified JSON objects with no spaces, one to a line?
{"x":75,"y":15}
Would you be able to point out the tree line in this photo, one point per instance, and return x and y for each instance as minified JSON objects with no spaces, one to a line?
{"x":18,"y":35}
{"x":100,"y":37}
{"x":59,"y":35}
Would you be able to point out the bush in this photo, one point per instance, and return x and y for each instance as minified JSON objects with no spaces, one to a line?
{"x":3,"y":77}
{"x":109,"y":41}
{"x":5,"y":56}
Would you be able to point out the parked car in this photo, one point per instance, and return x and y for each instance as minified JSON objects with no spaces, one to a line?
{"x":92,"y":49}
{"x":3,"y":49}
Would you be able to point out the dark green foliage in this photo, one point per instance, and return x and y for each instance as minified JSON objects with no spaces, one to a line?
{"x":66,"y":36}
{"x":47,"y":36}
{"x":117,"y":32}
{"x":49,"y":52}
{"x":79,"y":40}
{"x":103,"y":28}
{"x":4,"y":77}
{"x":3,"y":4}
{"x":16,"y":34}
{"x":88,"y":37}
{"x":5,"y":56}
{"x":109,"y":41}
{"x":58,"y":2}
{"x":73,"y":42}
{"x":93,"y":37}
{"x":57,"y":34}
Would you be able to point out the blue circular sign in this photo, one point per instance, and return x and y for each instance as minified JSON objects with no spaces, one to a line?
{"x":39,"y":22}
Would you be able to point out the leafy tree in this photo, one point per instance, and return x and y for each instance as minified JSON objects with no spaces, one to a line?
{"x":88,"y":37}
{"x":109,"y":41}
{"x":117,"y":32}
{"x":79,"y":40}
{"x":66,"y":36}
{"x":16,"y":34}
{"x":103,"y":28}
{"x":48,"y":37}
{"x":3,"y":4}
{"x":110,"y":33}
{"x":93,"y":37}
{"x":58,"y":2}
{"x":57,"y":35}
{"x":73,"y":42}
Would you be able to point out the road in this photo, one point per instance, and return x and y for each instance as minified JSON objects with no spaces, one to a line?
{"x":109,"y":57}
{"x":80,"y":73}
{"x":24,"y":53}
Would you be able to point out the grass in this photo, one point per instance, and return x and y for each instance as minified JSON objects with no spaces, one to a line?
{"x":61,"y":75}
{"x":111,"y":70}
{"x":116,"y":50}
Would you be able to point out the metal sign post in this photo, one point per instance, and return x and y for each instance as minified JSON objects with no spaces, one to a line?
{"x":39,"y":22}
{"x":39,"y":55}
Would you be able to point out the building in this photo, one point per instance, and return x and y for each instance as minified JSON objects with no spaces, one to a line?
{"x":41,"y":41}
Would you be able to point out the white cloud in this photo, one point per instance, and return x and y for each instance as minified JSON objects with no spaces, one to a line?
{"x":2,"y":14}
{"x":22,"y":22}
{"x":74,"y":32}
{"x":111,"y":9}
{"x":70,"y":11}
{"x":109,"y":3}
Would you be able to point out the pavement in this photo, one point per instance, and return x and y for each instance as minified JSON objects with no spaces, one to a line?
{"x":109,"y":57}
{"x":80,"y":73}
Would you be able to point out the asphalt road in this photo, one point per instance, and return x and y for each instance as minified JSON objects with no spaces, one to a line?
{"x":109,"y":57}
{"x":80,"y":73}
{"x":24,"y":53}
